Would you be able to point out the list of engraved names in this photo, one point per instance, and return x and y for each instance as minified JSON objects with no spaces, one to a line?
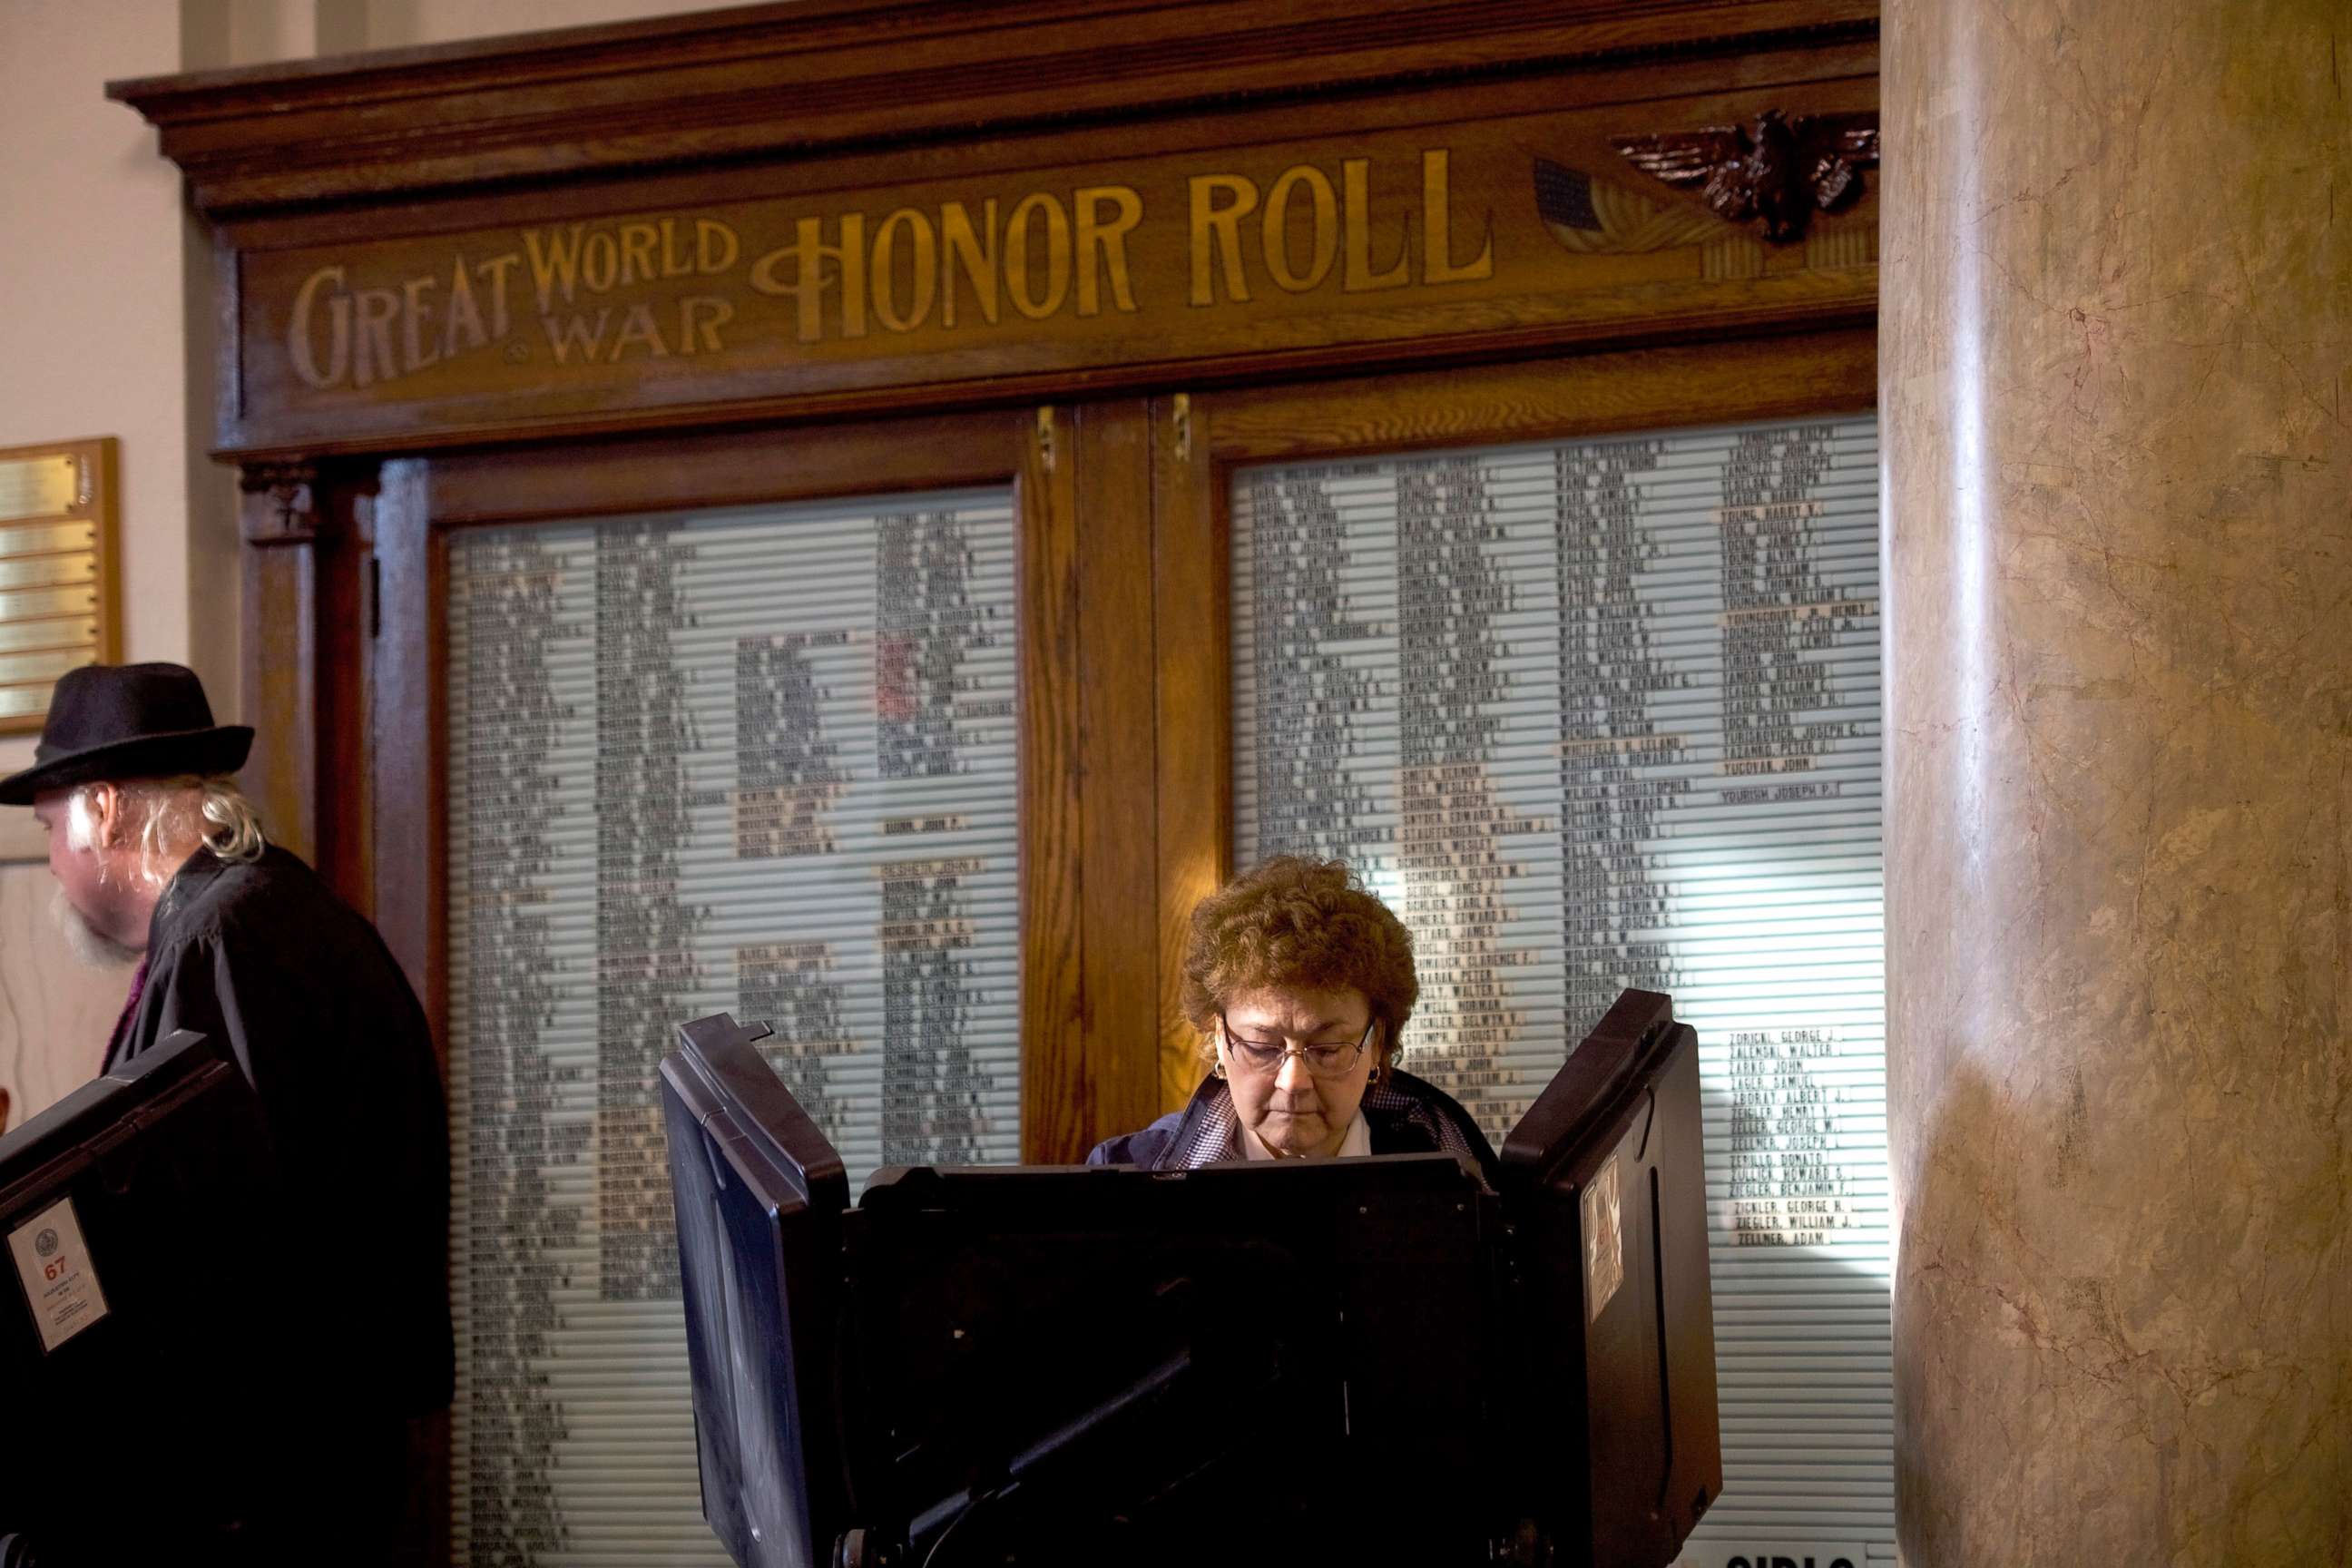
{"x":1594,"y":714}
{"x":756,"y":761}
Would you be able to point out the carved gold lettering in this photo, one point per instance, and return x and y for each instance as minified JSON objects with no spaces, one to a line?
{"x":554,"y":265}
{"x":596,"y":340}
{"x":1220,"y":225}
{"x":496,"y":269}
{"x":567,"y":258}
{"x":416,"y":315}
{"x":973,"y":254}
{"x":675,"y":261}
{"x":912,"y":270}
{"x":1105,"y":243}
{"x":699,"y":317}
{"x":637,"y":329}
{"x":1017,"y":277}
{"x":923,"y":270}
{"x":599,"y":263}
{"x":300,"y":342}
{"x":461,"y":318}
{"x":371,"y":358}
{"x":1360,"y":277}
{"x":574,"y":331}
{"x":373,"y":335}
{"x":807,"y":257}
{"x":715,"y":247}
{"x":1436,"y":226}
{"x":1277,"y":228}
{"x":638,"y":242}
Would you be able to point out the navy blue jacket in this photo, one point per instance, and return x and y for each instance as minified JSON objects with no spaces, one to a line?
{"x":1405,"y":1115}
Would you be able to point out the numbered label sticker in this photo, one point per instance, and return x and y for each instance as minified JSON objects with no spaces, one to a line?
{"x":58,"y":1280}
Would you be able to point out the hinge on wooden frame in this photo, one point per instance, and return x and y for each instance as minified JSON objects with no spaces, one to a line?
{"x":1183,"y":412}
{"x":1046,"y":438}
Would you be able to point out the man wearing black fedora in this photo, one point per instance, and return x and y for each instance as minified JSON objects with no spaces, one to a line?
{"x":160,"y":861}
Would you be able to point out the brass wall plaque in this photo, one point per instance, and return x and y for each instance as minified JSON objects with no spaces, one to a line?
{"x":57,"y":571}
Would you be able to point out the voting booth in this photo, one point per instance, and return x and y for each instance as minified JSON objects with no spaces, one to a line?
{"x":1090,"y":1364}
{"x":144,"y":1228}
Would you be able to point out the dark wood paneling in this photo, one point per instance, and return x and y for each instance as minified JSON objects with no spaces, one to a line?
{"x":281,"y":669}
{"x":1055,"y":1095}
{"x":408,"y":742}
{"x":305,"y":669}
{"x":344,"y":844}
{"x":1193,"y":713}
{"x":1591,"y":394}
{"x":1117,"y":768}
{"x":735,"y":468}
{"x":826,"y":75}
{"x":1403,"y":243}
{"x":1092,"y":794}
{"x":352,"y":230}
{"x":1207,"y":127}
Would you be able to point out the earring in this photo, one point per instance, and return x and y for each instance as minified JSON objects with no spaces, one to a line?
{"x":1217,"y":1067}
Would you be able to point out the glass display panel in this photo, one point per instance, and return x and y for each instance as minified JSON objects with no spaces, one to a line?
{"x":759,"y":760}
{"x":1599,"y":713}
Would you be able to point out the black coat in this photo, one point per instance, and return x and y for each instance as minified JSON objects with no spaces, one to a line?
{"x":262,"y":958}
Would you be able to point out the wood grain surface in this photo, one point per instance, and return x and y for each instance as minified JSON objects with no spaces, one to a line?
{"x":1419,"y":285}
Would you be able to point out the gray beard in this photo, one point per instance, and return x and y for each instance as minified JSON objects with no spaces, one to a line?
{"x":93,"y":947}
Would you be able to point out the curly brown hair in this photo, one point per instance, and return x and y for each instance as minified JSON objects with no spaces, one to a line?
{"x":1305,"y":923}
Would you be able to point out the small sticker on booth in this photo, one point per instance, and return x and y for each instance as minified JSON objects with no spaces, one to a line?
{"x":59,"y":1282}
{"x":1604,"y":1240}
{"x":1770,"y":1554}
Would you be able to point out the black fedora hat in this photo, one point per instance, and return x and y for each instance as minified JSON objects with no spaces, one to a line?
{"x":127,"y":721}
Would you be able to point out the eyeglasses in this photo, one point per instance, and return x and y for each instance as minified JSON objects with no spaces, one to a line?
{"x":1323,"y":1060}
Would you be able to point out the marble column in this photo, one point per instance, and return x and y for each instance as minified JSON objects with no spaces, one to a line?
{"x":2116,"y":387}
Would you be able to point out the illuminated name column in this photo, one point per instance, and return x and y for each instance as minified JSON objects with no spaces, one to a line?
{"x":1315,"y":664}
{"x":1474,"y":710}
{"x":791,"y":774}
{"x":523,"y":1018}
{"x":649,"y":969}
{"x":758,"y":761}
{"x":943,"y":715}
{"x":1780,"y":892}
{"x":1600,"y":714}
{"x":1622,"y":766}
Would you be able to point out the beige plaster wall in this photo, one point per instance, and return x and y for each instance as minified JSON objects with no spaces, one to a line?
{"x":92,"y":313}
{"x":392,"y":23}
{"x":91,"y":306}
{"x":105,"y":329}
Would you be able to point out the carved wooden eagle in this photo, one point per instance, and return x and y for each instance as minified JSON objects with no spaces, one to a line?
{"x":1776,"y":170}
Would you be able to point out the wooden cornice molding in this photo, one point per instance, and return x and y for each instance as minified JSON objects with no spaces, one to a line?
{"x":825,"y":76}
